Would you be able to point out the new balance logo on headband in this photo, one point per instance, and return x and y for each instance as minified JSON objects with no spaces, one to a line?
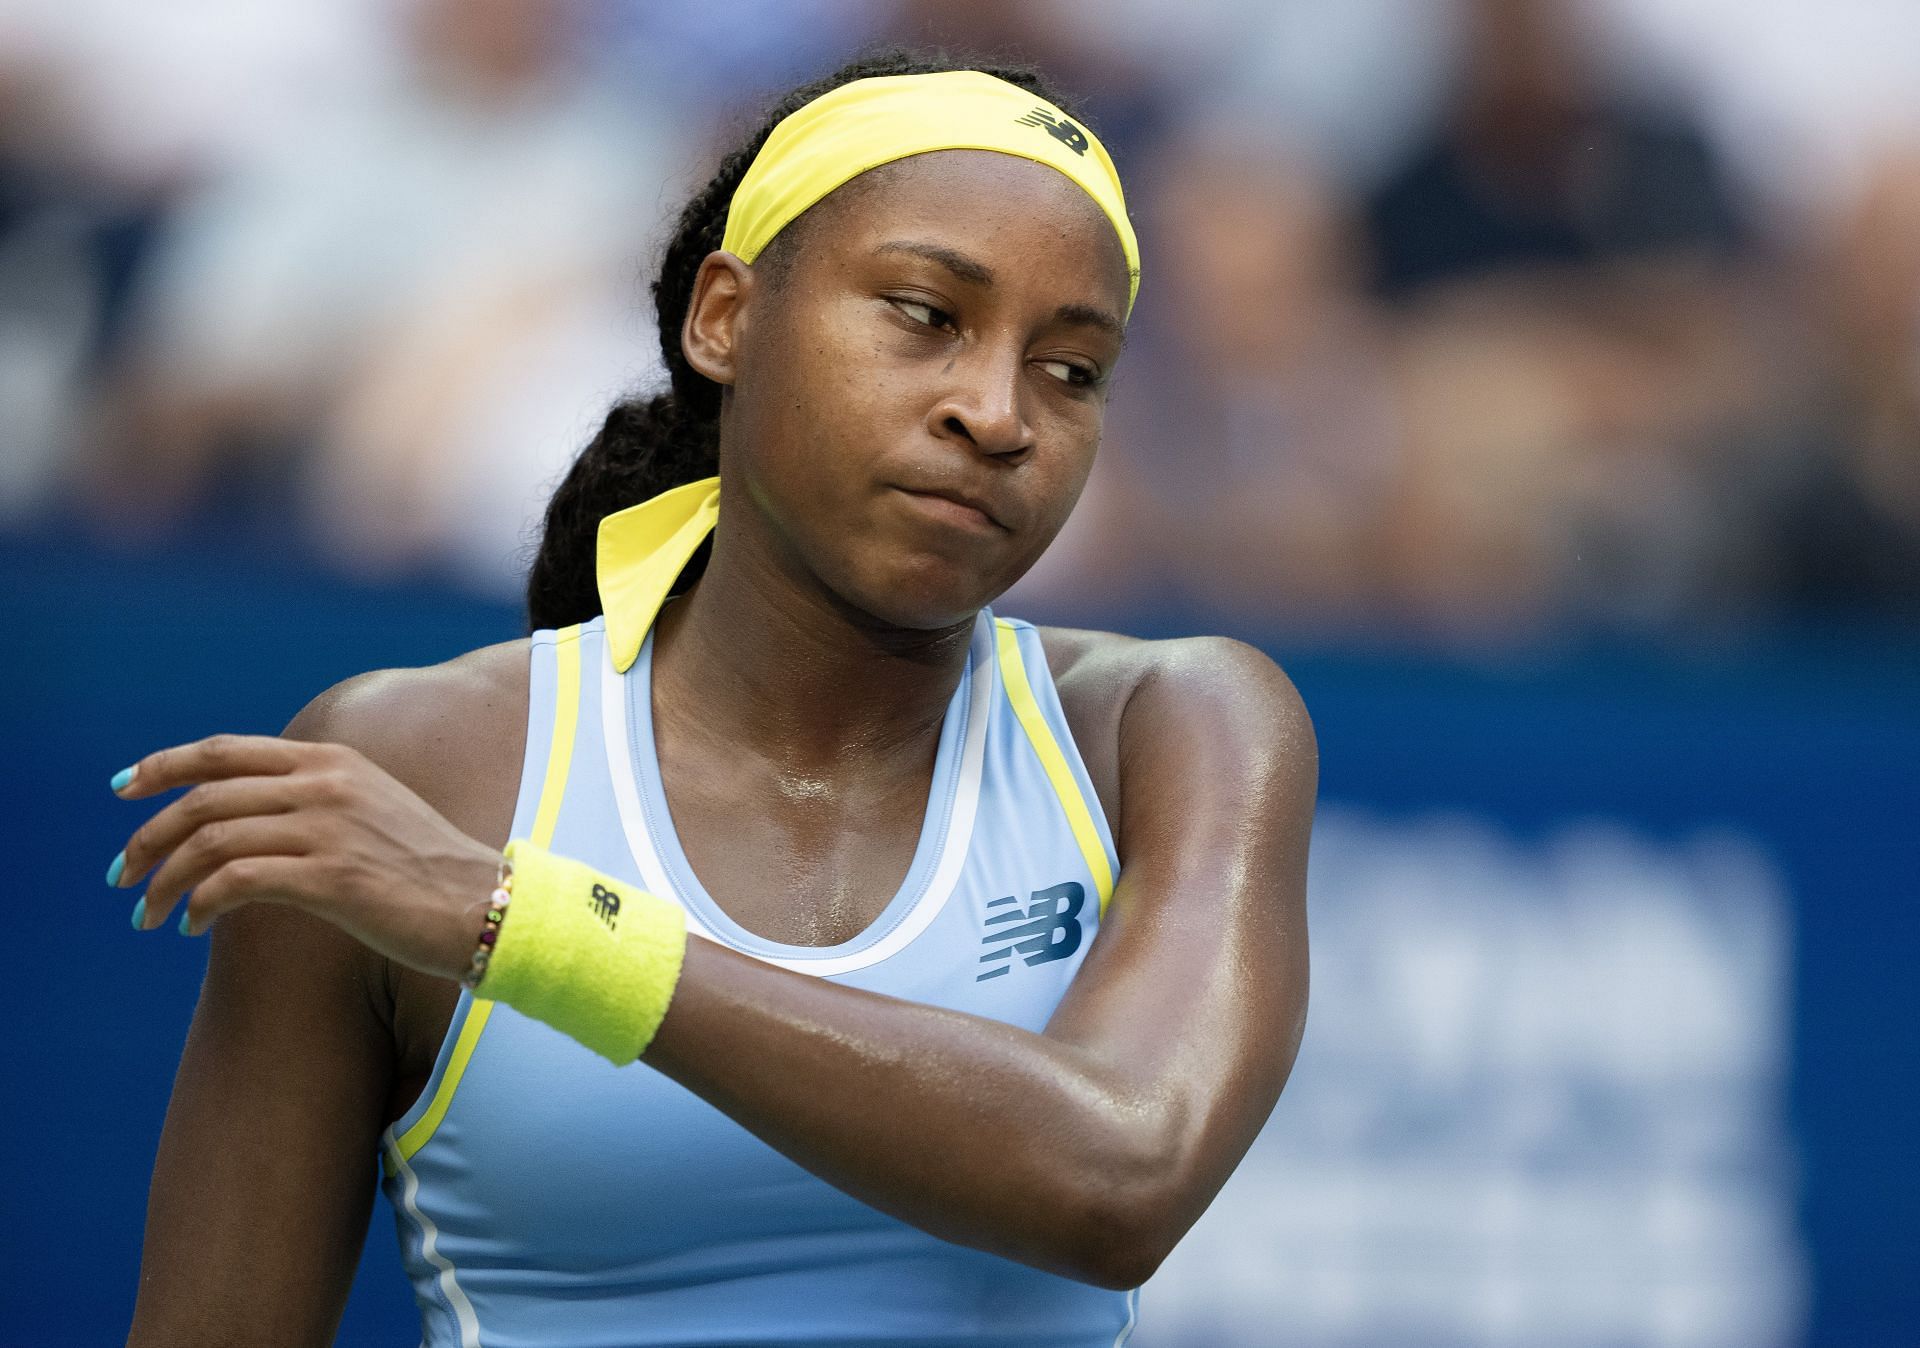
{"x":1059,"y":128}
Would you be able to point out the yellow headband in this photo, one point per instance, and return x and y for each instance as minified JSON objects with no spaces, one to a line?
{"x":867,"y":123}
{"x":859,"y":126}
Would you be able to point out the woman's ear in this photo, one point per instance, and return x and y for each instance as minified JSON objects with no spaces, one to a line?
{"x":716,"y":315}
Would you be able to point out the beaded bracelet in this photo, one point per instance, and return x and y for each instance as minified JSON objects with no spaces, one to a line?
{"x":490,"y":933}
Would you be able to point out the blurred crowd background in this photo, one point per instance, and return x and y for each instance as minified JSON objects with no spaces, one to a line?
{"x":1465,"y":320}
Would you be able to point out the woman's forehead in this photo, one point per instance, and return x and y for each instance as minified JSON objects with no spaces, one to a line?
{"x":997,"y":202}
{"x":945,"y":179}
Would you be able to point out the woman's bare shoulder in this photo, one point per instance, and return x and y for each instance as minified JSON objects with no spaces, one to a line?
{"x":1102,"y":671}
{"x":433,"y":726}
{"x":1100,"y":675}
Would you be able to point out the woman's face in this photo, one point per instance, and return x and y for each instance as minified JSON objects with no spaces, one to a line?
{"x":918,"y":385}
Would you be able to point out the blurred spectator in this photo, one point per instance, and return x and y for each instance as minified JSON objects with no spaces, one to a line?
{"x":70,"y":244}
{"x":1848,"y":523}
{"x":1798,"y":96}
{"x":326,"y":326}
{"x":1573,"y":370}
{"x":1575,"y":457}
{"x":1535,"y":164}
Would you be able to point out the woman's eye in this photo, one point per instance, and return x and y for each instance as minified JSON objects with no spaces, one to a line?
{"x":1067,"y":372}
{"x":924,"y":313}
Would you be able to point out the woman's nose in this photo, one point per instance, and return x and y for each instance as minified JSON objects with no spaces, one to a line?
{"x":983,"y":404}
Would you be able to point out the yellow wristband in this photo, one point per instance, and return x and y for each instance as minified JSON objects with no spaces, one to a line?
{"x":594,"y":957}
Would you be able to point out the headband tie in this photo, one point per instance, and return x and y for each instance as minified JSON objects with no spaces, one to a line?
{"x":861,"y":125}
{"x":641,"y":551}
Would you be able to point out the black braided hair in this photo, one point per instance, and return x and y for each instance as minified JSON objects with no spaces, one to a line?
{"x":649,"y":445}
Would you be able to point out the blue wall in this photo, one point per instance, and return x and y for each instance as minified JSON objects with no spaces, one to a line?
{"x":1808,"y":746}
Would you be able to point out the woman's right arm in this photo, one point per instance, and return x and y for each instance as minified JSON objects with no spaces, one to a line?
{"x":266,"y":1171}
{"x":265,"y":1177}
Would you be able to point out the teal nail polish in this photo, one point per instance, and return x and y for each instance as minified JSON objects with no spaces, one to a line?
{"x":113,"y":871}
{"x":140,"y":914}
{"x":186,"y":915}
{"x":121,"y":778}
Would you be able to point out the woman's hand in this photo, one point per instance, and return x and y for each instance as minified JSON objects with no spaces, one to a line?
{"x":318,"y":826}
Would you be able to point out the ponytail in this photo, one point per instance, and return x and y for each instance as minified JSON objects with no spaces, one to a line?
{"x":651,"y":445}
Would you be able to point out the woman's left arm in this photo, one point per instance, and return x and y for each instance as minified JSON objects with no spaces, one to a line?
{"x":1087,"y":1150}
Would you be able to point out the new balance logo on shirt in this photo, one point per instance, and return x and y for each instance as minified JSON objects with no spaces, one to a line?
{"x":1048,"y":928}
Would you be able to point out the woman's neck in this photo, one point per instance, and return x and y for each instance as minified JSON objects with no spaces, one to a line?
{"x":766,"y":663}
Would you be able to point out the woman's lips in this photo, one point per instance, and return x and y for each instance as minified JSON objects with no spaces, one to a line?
{"x":947,"y":510}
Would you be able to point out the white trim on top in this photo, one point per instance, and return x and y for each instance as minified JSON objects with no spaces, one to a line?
{"x":946,"y":873}
{"x":1133,"y":1319}
{"x":626,"y":791}
{"x":430,"y":1251}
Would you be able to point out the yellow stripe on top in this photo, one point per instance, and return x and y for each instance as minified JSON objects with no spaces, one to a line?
{"x":1013,"y":674}
{"x":566,"y":720}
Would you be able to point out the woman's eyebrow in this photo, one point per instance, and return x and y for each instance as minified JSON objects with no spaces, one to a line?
{"x":978,"y":273}
{"x":1088,"y":316}
{"x":962,"y":266}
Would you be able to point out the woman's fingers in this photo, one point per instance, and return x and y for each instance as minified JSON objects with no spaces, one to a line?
{"x":244,"y":807}
{"x":222,"y":843}
{"x":230,"y":798}
{"x":315,"y":825}
{"x":215,"y":757}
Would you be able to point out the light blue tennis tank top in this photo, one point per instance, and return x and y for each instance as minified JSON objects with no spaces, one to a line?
{"x":545,"y":1197}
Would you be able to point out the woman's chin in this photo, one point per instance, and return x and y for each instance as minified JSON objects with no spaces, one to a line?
{"x":926,"y":596}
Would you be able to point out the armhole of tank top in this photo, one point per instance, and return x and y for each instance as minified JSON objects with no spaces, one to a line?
{"x":1089,"y":831}
{"x":546,"y":814}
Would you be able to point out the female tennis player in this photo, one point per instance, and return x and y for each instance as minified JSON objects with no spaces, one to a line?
{"x":812,"y":957}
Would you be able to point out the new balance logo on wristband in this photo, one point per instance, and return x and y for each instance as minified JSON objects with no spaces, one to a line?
{"x":606,"y":905}
{"x":1047,"y":929}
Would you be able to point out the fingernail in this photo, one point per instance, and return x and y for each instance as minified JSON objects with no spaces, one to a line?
{"x":140,"y":914}
{"x":186,"y":916}
{"x":121,"y":778}
{"x":119,"y":864}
